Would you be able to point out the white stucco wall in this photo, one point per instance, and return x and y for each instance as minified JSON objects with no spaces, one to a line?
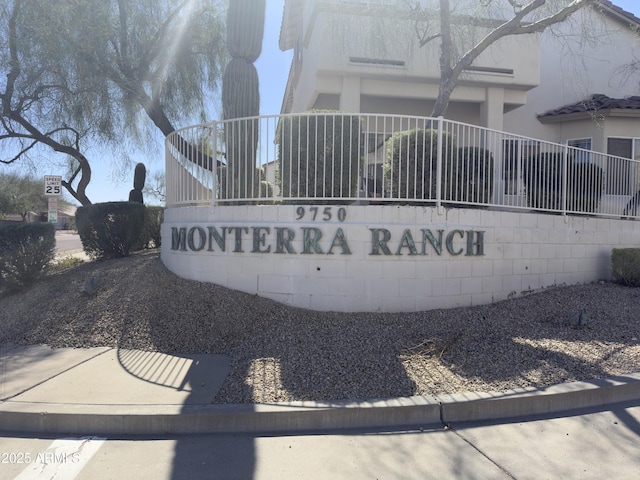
{"x":521,"y":252}
{"x":332,"y":34}
{"x":562,"y":66}
{"x":575,"y":66}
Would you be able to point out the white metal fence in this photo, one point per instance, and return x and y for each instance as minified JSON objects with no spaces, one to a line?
{"x":345,"y":158}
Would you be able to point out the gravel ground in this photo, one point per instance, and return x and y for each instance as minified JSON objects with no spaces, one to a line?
{"x":280,"y":353}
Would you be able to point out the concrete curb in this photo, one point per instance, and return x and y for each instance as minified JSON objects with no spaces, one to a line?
{"x":55,"y":418}
{"x":540,"y":401}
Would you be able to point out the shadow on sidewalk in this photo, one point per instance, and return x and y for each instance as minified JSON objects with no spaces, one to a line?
{"x":200,"y":376}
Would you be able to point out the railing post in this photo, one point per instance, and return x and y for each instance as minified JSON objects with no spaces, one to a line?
{"x":566,"y":179}
{"x":214,"y":166}
{"x":439,"y":165}
{"x":168,"y":174}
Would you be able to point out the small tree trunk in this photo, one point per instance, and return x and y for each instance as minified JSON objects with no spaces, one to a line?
{"x":444,"y":96}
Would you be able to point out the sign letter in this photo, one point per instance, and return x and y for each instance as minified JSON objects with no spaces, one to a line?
{"x":378,"y":243}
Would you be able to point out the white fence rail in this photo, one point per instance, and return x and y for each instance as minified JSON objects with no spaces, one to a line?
{"x":345,"y":158}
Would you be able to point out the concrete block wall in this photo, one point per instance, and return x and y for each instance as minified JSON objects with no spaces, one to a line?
{"x":333,"y":258}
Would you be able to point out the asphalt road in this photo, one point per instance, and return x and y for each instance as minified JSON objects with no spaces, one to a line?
{"x":67,"y":242}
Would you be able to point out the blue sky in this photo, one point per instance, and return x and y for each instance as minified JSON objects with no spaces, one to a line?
{"x":632,"y":6}
{"x":273,"y":69}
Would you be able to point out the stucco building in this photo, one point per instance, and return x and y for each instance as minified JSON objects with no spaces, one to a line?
{"x":363,"y":56}
{"x":570,"y":84}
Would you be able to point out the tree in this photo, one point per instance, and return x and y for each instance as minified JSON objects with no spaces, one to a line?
{"x":21,"y":194}
{"x":630,"y":71}
{"x":83,"y":72}
{"x":491,"y":20}
{"x":156,"y":186}
{"x":452,"y":33}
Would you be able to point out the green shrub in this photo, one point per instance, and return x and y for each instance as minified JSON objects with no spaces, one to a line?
{"x":469,"y":177}
{"x":26,"y":250}
{"x":110,"y":230}
{"x":150,"y":236}
{"x":410,"y":170}
{"x":64,"y":263}
{"x":544,"y":176}
{"x":625,"y":266}
{"x":319,"y":155}
{"x":585,"y":187}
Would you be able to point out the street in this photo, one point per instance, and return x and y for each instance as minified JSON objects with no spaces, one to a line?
{"x":67,"y":241}
{"x":591,"y":445}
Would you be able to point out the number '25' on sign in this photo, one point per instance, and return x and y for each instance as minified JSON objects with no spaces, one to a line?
{"x":52,"y":185}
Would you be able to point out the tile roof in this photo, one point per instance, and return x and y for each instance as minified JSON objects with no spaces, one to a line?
{"x":616,"y":10}
{"x":596,"y":103}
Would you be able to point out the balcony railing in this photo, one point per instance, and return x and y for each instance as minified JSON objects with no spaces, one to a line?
{"x":382,"y":159}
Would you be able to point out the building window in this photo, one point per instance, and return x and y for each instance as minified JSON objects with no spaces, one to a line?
{"x":620,"y":178}
{"x":514,"y":152}
{"x":580,"y":156}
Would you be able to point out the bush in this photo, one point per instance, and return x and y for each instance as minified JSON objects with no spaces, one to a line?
{"x":61,"y":264}
{"x":150,"y":236}
{"x":544,"y":176}
{"x":585,"y":187}
{"x":110,"y":230}
{"x":319,"y":155}
{"x":26,"y":250}
{"x":625,"y":266}
{"x":410,"y":170}
{"x":470,"y":176}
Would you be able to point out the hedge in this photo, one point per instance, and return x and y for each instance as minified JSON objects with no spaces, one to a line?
{"x":150,"y":236}
{"x":544,"y":178}
{"x":320,"y":155}
{"x":110,"y":230}
{"x":625,"y":266}
{"x":26,"y":250}
{"x":410,"y":169}
{"x":469,"y":177}
{"x":586,"y":184}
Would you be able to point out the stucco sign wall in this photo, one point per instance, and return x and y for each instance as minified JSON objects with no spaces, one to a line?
{"x":311,"y":240}
{"x":387,"y":258}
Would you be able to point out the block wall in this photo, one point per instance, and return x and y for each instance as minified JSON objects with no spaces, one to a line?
{"x":388,"y":258}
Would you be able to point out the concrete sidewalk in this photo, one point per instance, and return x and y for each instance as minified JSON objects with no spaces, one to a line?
{"x":110,"y":391}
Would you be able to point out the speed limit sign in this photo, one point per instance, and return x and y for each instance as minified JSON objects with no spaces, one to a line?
{"x":52,"y":185}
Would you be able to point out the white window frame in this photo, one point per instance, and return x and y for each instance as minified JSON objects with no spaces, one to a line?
{"x":585,"y":143}
{"x":514,"y":166}
{"x":629,"y":187}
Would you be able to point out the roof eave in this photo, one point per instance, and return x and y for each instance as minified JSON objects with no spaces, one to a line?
{"x":618,"y":13}
{"x":291,"y":15}
{"x":589,"y":115}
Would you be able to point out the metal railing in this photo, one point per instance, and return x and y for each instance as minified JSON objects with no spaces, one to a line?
{"x":346,"y":158}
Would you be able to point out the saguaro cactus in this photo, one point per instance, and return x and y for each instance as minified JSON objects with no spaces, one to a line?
{"x":240,"y":91}
{"x":139,"y":177}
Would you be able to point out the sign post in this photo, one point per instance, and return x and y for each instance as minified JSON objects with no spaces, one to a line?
{"x":53,"y":189}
